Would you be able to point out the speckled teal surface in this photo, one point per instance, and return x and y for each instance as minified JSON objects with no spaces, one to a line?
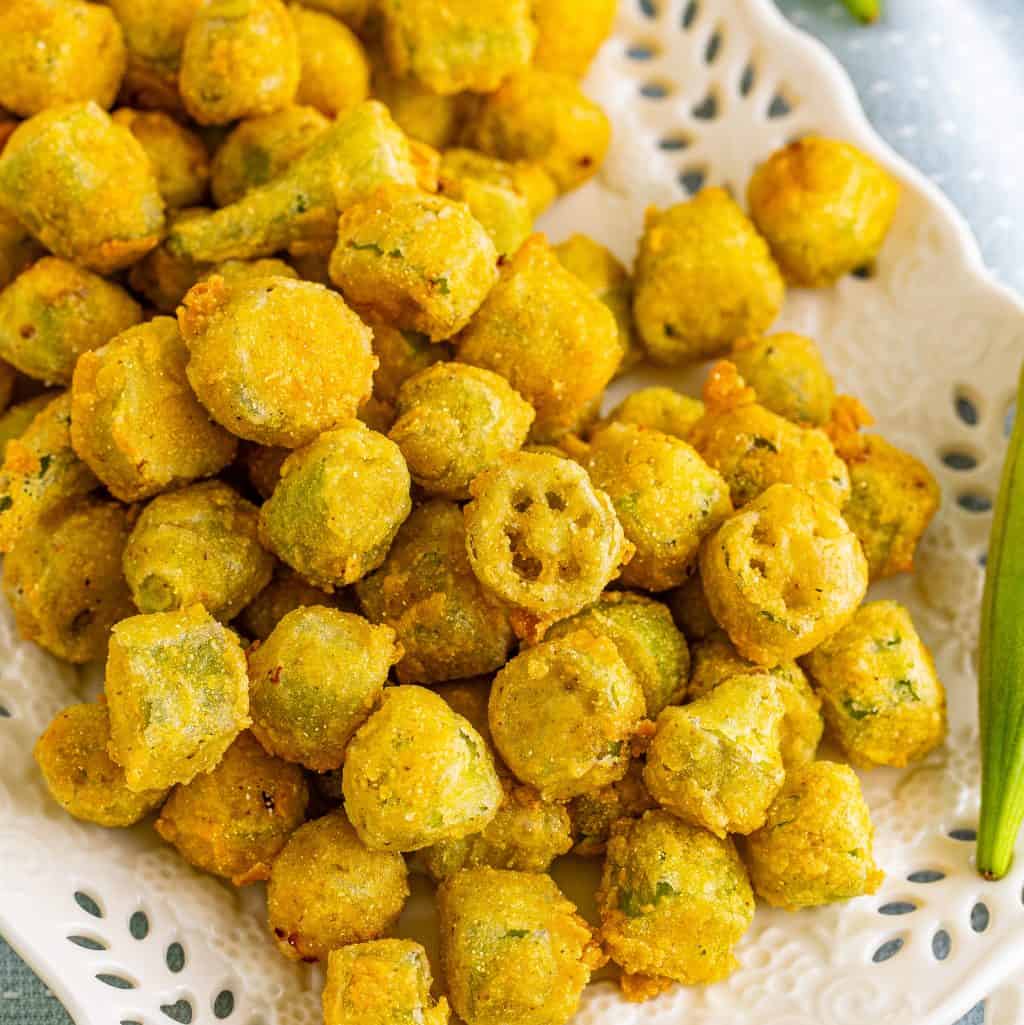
{"x":943,"y":82}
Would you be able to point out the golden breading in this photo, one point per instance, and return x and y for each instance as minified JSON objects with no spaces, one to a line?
{"x":570,"y":32}
{"x":240,"y":59}
{"x":78,"y":772}
{"x":824,"y":206}
{"x":234,"y":820}
{"x":448,"y":627}
{"x":815,"y":847}
{"x":335,"y":72}
{"x":285,"y":593}
{"x":593,"y":814}
{"x":136,"y":421}
{"x":178,"y":695}
{"x":328,"y":890}
{"x":338,"y":505}
{"x":54,"y":311}
{"x":783,"y":575}
{"x":881,"y":697}
{"x":395,"y":795}
{"x":563,"y":714}
{"x":657,"y":409}
{"x":315,"y":680}
{"x":703,"y":279}
{"x":425,"y":116}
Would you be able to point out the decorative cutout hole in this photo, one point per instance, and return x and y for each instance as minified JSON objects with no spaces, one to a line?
{"x":648,"y":8}
{"x":707,"y":109}
{"x":959,"y":459}
{"x":87,"y":942}
{"x":181,"y":1012}
{"x":675,"y":143}
{"x":88,"y":904}
{"x":966,"y":835}
{"x":138,"y":925}
{"x":974,"y":502}
{"x":175,"y":957}
{"x":1008,"y":417}
{"x":693,"y":180}
{"x":642,"y":51}
{"x":690,"y":13}
{"x":714,"y":47}
{"x":780,"y":105}
{"x":5,"y":712}
{"x":224,"y":1005}
{"x":941,"y":945}
{"x":982,"y":559}
{"x":116,"y":981}
{"x":131,"y":1023}
{"x":865,"y":272}
{"x":966,"y":408}
{"x":926,"y":875}
{"x":887,"y":950}
{"x":655,"y":90}
{"x":897,"y":907}
{"x":747,"y":80}
{"x":980,"y":917}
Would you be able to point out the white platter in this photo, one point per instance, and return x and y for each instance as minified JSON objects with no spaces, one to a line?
{"x":697,"y":92}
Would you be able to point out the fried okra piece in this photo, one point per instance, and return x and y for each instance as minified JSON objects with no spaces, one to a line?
{"x":646,"y":638}
{"x":14,"y":421}
{"x":315,"y":680}
{"x":593,"y":814}
{"x":689,"y":608}
{"x":327,"y":890}
{"x":154,"y":35}
{"x":816,"y":845}
{"x":514,"y":948}
{"x":275,"y":360}
{"x":674,"y":902}
{"x":665,"y":496}
{"x":18,"y":249}
{"x":548,"y":335}
{"x":882,"y":699}
{"x":57,"y":52}
{"x":395,"y":795}
{"x":420,"y":262}
{"x":455,"y":421}
{"x":526,"y":835}
{"x":469,"y":698}
{"x":570,"y":32}
{"x":136,"y":421}
{"x":234,"y":820}
{"x":455,"y":45}
{"x":657,"y":409}
{"x":54,"y":311}
{"x":240,"y":59}
{"x":83,"y":185}
{"x":563,"y":714}
{"x":335,"y":72}
{"x":542,"y":538}
{"x":448,"y":627}
{"x":400,"y":355}
{"x":197,"y":546}
{"x":382,"y":982}
{"x":353,"y":12}
{"x":178,"y":695}
{"x":422,"y":114}
{"x":78,"y":772}
{"x":600,"y":270}
{"x":64,"y":582}
{"x":261,"y":148}
{"x":753,"y":448}
{"x":783,"y":575}
{"x":716,"y":660}
{"x":179,"y":158}
{"x":543,"y":117}
{"x":163,"y":277}
{"x":788,"y":374}
{"x":262,"y":465}
{"x":338,"y":506}
{"x":362,"y":150}
{"x":285,"y":593}
{"x":717,"y":761}
{"x":41,"y":472}
{"x":703,"y":279}
{"x":504,"y":197}
{"x":893,"y":497}
{"x":824,"y":206}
